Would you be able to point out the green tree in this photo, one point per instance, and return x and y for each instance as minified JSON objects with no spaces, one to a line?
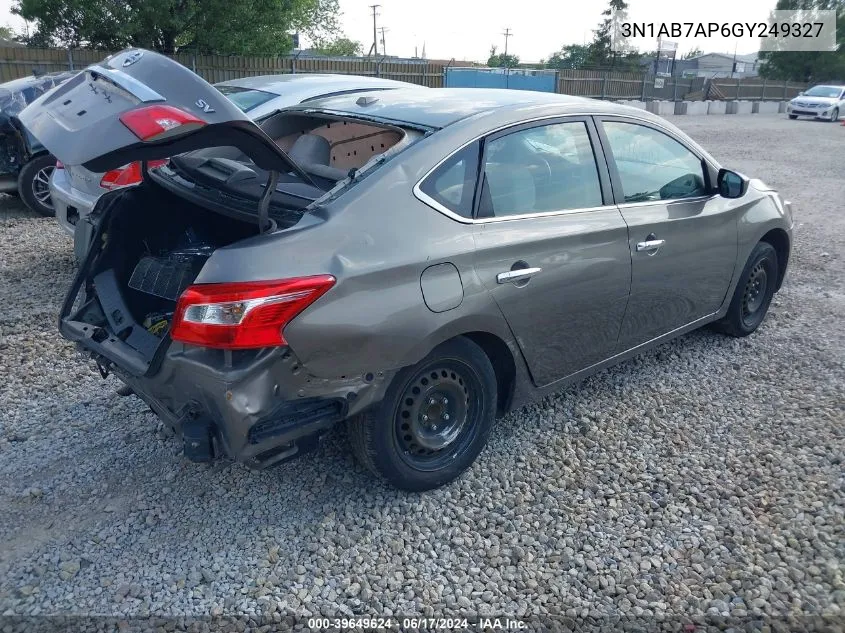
{"x":339,"y":47}
{"x":501,"y":60}
{"x":8,"y":33}
{"x":208,"y":26}
{"x":74,"y":23}
{"x":601,"y":53}
{"x":569,"y":56}
{"x":808,"y":66}
{"x":696,"y":52}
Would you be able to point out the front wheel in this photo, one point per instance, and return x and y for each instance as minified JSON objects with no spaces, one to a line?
{"x":793,"y":116}
{"x":434,"y":420}
{"x":834,"y":116}
{"x":34,"y":184}
{"x":753,"y":293}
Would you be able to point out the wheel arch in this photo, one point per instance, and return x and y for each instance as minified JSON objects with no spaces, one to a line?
{"x":779,"y":239}
{"x":492,"y":334}
{"x":504,"y":366}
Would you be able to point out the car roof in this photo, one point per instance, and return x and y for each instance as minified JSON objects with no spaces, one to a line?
{"x":439,"y":107}
{"x":308,"y":85}
{"x":26,"y":82}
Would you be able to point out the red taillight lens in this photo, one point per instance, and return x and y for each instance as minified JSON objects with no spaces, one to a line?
{"x":60,"y":164}
{"x":156,"y":122}
{"x":127,"y":175}
{"x":244,"y":315}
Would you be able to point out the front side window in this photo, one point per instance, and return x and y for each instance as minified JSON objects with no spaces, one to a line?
{"x":452,"y":184}
{"x":539,"y":170}
{"x":653,"y":165}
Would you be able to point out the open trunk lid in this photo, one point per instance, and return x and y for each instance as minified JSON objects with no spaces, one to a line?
{"x":139,"y":105}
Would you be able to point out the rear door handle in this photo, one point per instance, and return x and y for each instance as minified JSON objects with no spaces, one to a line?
{"x":517,"y":275}
{"x":650,"y":245}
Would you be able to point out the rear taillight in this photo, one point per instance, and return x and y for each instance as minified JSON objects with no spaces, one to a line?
{"x":127,"y":175}
{"x":244,"y":315}
{"x":60,"y":164}
{"x":155,"y":122}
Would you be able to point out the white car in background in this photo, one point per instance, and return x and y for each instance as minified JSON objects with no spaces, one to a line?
{"x":75,"y":190}
{"x":820,"y":102}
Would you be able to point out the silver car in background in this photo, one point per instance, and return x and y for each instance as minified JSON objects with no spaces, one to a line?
{"x":75,"y":189}
{"x":820,"y":102}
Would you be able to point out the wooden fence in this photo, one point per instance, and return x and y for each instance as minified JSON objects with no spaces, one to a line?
{"x":18,"y":62}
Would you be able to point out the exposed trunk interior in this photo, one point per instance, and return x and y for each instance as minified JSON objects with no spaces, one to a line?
{"x":154,"y":245}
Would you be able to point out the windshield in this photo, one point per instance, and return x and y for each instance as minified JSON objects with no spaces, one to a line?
{"x":823,"y":91}
{"x":246,"y":98}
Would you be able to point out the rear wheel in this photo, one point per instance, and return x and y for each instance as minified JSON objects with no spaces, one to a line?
{"x":434,"y":420}
{"x":34,"y":184}
{"x":753,"y":293}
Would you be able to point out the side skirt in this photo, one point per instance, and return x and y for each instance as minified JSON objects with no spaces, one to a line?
{"x":524,"y":396}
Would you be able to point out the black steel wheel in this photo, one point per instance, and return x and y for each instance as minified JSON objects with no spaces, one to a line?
{"x":438,"y":413}
{"x":434,"y":419}
{"x":753,"y":293}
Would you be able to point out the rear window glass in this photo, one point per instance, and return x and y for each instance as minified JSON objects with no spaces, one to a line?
{"x":246,"y":98}
{"x":452,"y":184}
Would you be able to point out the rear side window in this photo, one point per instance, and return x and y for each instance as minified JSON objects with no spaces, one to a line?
{"x":246,"y":98}
{"x":652,"y":165}
{"x":452,"y":184}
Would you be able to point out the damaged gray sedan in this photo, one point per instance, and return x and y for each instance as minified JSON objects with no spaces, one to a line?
{"x":415,"y":263}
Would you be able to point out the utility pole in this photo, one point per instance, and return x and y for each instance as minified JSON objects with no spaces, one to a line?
{"x":383,"y":45}
{"x":374,"y":48}
{"x":733,"y":68}
{"x":507,"y":34}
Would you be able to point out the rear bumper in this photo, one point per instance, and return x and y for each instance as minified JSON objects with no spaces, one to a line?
{"x":259,"y":407}
{"x":250,"y":418}
{"x":72,"y":208}
{"x":70,"y":204}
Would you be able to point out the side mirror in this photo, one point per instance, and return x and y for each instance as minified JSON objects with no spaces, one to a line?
{"x":731,"y":184}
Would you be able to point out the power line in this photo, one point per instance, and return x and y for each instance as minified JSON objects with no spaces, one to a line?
{"x":374,"y":47}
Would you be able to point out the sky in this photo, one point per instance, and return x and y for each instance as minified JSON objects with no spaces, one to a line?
{"x":465,"y":29}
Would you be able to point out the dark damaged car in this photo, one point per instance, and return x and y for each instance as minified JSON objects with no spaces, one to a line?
{"x":25,"y":165}
{"x":415,"y":263}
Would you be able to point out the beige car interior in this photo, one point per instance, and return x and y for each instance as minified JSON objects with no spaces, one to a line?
{"x":331,"y":150}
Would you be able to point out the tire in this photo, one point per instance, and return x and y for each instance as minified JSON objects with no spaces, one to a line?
{"x":33,"y":184}
{"x":434,"y":420}
{"x":753,"y":293}
{"x":793,"y":116}
{"x":834,"y":116}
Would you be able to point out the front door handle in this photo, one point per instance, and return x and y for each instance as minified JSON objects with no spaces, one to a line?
{"x":650,"y":245}
{"x":519,"y":274}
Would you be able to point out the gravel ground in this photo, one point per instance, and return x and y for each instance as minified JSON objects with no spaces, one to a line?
{"x":704,"y":477}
